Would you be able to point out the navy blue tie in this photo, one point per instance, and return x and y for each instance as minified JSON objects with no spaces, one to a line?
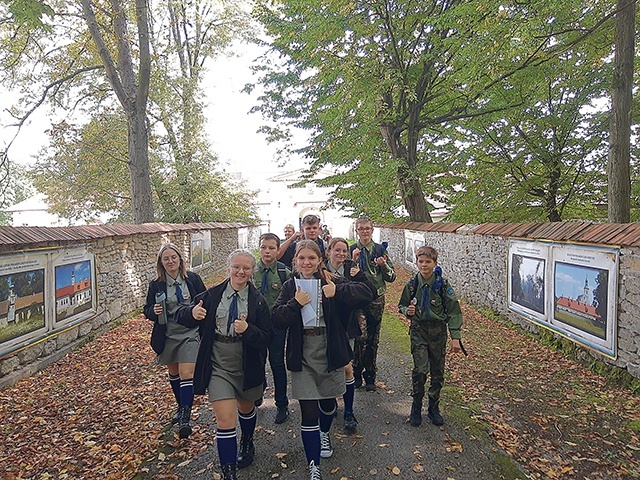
{"x":362,"y":260}
{"x":321,"y":247}
{"x":264,"y":286}
{"x":425,"y":301}
{"x":233,"y":312}
{"x":179,"y":293}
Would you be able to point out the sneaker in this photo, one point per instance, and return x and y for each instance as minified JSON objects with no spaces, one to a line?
{"x":350,"y":422}
{"x":416,"y":416}
{"x":326,"y":450}
{"x":433,"y":413}
{"x":282,"y":415}
{"x":314,"y":471}
{"x":370,"y":387}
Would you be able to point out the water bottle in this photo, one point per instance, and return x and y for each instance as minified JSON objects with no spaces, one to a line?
{"x":161,"y":298}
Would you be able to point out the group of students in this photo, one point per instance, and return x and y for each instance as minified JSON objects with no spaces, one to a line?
{"x":324,"y":319}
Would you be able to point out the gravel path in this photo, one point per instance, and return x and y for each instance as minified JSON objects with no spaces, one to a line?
{"x":384,"y":446}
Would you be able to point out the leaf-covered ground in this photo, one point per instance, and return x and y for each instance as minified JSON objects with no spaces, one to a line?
{"x":549,"y":413}
{"x":102,"y":410}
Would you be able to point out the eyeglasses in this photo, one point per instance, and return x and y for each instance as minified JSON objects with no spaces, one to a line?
{"x":237,"y":268}
{"x":364,"y":229}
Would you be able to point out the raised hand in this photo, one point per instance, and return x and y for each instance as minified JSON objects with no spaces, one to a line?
{"x":329,"y":289}
{"x":198,"y":311}
{"x":240,"y":325}
{"x":302,"y":297}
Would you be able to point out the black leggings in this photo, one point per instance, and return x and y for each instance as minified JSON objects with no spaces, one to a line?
{"x":310,"y":409}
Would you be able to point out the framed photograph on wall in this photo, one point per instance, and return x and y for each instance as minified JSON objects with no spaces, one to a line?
{"x":585,"y":282}
{"x":412,"y":241}
{"x":197,"y":249}
{"x":22,"y":296}
{"x":75,"y":292}
{"x":570,"y":289}
{"x":527,"y":278}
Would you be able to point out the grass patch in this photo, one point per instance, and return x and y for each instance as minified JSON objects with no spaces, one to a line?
{"x":396,"y":332}
{"x":634,"y":425}
{"x":507,"y":468}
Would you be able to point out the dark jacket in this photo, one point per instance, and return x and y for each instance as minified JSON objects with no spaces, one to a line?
{"x":347,"y":312}
{"x":287,"y":315}
{"x":255,"y":339}
{"x":158,"y":335}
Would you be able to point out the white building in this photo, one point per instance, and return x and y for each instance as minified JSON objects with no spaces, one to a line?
{"x":34,"y":212}
{"x":278,"y":205}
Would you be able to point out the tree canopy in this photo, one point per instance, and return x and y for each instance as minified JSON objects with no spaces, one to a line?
{"x":85,"y":60}
{"x":464,"y":102}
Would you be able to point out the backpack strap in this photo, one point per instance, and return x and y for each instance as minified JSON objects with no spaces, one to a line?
{"x":282,"y":271}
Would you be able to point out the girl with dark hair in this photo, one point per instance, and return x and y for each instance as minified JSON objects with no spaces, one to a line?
{"x":338,"y":264}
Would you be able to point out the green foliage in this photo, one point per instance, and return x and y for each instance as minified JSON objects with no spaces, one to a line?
{"x":29,"y":12}
{"x":84,"y":174}
{"x":456,"y":100}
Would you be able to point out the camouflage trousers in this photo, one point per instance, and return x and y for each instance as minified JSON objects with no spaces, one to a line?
{"x":428,"y":348}
{"x":365,"y":350}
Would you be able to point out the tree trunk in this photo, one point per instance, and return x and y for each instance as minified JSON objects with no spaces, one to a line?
{"x":410,"y":188}
{"x":619,"y":194}
{"x":132,"y":93}
{"x":141,"y":201}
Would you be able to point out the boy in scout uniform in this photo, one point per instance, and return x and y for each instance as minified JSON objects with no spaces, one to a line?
{"x":268,"y":278}
{"x":431,"y":305}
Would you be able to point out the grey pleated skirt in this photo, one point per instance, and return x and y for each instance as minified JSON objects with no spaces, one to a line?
{"x":315,"y":382}
{"x":227,"y":376}
{"x":181,"y":345}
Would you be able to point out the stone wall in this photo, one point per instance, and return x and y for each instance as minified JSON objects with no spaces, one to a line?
{"x":125,"y":263}
{"x":476,"y":264}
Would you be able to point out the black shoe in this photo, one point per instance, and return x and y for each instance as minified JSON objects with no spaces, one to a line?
{"x":350,"y":422}
{"x":416,"y":416}
{"x":357,"y":379}
{"x":433,"y":413}
{"x":370,"y":387}
{"x":282,"y":415}
{"x":259,"y":401}
{"x":247,"y":452}
{"x":229,"y":472}
{"x":185,"y":416}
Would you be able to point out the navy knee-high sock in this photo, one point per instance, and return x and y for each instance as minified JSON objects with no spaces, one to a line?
{"x":248,"y":423}
{"x":311,"y":441}
{"x":349,"y":395}
{"x":326,"y":418}
{"x":186,"y":392}
{"x":174,"y":381}
{"x":227,"y":446}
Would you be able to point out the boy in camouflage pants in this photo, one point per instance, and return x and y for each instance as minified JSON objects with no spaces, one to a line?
{"x":431,"y":305}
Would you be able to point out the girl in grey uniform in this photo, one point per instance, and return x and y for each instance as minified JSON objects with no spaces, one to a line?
{"x":236,"y":329}
{"x":317,"y":345}
{"x":340,"y":265}
{"x":176,"y":345}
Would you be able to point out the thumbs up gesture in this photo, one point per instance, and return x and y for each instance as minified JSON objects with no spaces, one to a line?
{"x":302,"y":297}
{"x":329,"y":289}
{"x":198,"y":311}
